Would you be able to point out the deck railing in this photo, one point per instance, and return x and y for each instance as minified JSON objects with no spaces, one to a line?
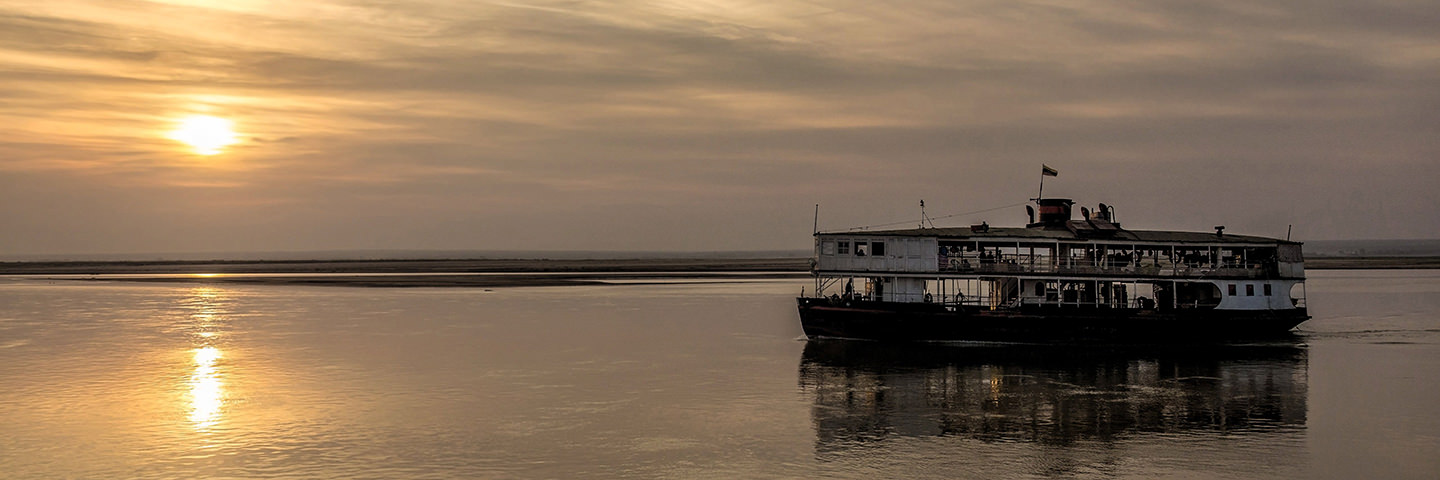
{"x":1021,"y":264}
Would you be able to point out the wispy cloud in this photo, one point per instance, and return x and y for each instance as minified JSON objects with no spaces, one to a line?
{"x":468,"y":119}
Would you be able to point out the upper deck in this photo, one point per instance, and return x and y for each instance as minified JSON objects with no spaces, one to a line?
{"x":1088,"y":248}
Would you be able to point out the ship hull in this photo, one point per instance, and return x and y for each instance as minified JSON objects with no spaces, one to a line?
{"x":823,"y":318}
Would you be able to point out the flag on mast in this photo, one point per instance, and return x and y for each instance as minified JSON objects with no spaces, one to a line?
{"x":1046,"y":171}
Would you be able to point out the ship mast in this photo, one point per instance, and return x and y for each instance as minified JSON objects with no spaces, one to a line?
{"x":1045,"y":171}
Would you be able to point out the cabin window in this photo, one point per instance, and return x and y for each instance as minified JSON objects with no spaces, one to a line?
{"x":827,"y":248}
{"x":1267,"y":289}
{"x":1232,"y":290}
{"x":1249,"y":290}
{"x":842,"y":248}
{"x":860,"y":249}
{"x":877,"y":249}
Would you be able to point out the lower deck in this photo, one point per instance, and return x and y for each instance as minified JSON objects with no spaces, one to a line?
{"x":1011,"y":292}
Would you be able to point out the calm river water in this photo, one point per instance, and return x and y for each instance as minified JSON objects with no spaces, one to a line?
{"x":129,"y":380}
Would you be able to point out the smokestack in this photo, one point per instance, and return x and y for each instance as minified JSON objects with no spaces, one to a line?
{"x":1055,"y":212}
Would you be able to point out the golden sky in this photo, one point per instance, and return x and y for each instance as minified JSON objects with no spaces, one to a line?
{"x":702,"y":125}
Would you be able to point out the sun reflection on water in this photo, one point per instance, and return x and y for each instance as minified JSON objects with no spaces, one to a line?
{"x":206,"y":389}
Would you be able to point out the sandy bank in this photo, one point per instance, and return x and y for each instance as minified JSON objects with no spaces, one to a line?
{"x":667,"y":265}
{"x":421,"y":273}
{"x":1369,"y":263}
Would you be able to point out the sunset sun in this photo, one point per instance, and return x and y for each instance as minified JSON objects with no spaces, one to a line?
{"x":207,"y":135}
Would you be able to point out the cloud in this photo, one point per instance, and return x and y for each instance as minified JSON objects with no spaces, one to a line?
{"x":467,"y":119}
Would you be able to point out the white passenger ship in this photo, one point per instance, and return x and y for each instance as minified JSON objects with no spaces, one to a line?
{"x":1055,"y":278}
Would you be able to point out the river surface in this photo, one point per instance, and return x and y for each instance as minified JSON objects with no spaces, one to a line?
{"x":705,"y":380}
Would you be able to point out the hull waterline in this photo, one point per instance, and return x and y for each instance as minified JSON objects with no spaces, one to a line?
{"x":930,"y":322}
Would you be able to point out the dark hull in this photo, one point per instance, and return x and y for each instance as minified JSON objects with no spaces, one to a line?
{"x":932,"y":322}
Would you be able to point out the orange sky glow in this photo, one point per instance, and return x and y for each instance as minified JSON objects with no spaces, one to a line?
{"x":660,"y":125}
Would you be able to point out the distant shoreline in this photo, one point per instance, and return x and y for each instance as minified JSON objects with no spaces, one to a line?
{"x":667,"y":265}
{"x":513,"y":272}
{"x":520,"y":265}
{"x":1371,"y":263}
{"x":424,"y":273}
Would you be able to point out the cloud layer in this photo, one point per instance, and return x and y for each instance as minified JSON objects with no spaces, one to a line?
{"x":703,"y":125}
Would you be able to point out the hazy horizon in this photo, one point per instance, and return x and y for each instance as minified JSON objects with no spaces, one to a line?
{"x":323,"y":255}
{"x":1315,"y":248}
{"x":334,"y":125}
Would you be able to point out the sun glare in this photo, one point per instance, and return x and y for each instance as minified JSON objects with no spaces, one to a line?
{"x":207,"y":393}
{"x":207,"y":135}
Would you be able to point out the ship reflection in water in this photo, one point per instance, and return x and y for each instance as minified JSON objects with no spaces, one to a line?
{"x":868,"y":393}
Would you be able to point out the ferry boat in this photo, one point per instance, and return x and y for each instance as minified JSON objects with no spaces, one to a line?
{"x":1055,"y":278}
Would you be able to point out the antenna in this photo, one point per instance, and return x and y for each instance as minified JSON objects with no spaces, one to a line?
{"x":1287,"y":231}
{"x":923,"y":217}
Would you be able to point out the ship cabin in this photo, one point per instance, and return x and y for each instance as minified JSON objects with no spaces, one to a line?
{"x":1061,"y":263}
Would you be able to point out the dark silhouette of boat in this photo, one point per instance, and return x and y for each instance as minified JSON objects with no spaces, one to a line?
{"x":1057,"y":277}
